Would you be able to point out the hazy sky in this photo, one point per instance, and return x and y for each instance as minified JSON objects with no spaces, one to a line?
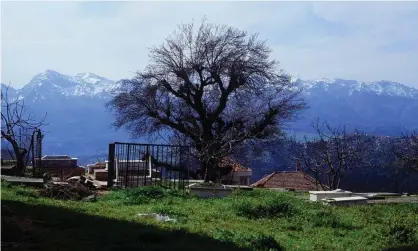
{"x":365,"y":41}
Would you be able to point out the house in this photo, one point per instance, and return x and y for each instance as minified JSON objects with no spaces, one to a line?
{"x":58,"y":161}
{"x":239,"y":175}
{"x":60,"y":165}
{"x":288,"y":180}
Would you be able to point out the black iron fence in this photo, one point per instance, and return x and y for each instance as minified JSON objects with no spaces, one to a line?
{"x":29,"y":140}
{"x":134,"y":165}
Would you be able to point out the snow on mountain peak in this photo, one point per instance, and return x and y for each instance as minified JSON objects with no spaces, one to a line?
{"x":89,"y":77}
{"x":383,"y":87}
{"x":90,"y":84}
{"x":55,"y":84}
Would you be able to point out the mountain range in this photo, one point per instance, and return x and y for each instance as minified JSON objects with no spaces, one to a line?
{"x":80,"y":125}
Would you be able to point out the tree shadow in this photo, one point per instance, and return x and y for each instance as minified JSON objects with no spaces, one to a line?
{"x":41,"y":227}
{"x":404,"y":248}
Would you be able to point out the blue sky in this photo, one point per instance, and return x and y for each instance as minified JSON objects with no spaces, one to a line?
{"x":365,"y":41}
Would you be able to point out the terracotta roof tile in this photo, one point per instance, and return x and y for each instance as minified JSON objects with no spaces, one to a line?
{"x":236,"y":167}
{"x":298,"y":181}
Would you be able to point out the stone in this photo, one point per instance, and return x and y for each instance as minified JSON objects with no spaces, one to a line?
{"x":157,"y":217}
{"x":90,"y":198}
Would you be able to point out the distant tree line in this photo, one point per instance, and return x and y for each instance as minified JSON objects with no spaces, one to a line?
{"x":337,"y":157}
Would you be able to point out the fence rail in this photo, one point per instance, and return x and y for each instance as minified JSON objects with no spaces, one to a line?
{"x":134,"y":165}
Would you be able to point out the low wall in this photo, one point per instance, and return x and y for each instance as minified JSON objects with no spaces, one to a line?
{"x":64,"y":171}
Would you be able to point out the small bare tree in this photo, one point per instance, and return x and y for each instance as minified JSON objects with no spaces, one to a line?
{"x":333,"y":152}
{"x":405,"y":149}
{"x":214,"y":85}
{"x":17,"y":126}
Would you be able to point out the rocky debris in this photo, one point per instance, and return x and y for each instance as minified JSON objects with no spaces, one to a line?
{"x":86,"y":181}
{"x":157,"y":217}
{"x":65,"y":191}
{"x":74,"y":188}
{"x":47,"y":177}
{"x":90,"y":198}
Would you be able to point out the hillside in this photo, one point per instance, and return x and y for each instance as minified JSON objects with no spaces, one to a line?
{"x":246,"y":220}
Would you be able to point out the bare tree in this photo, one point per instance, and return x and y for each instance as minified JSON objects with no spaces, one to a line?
{"x":214,"y":85}
{"x":405,"y":149}
{"x":17,"y":126}
{"x":333,"y":152}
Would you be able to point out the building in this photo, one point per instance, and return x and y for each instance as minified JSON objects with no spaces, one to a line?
{"x":60,"y":165}
{"x":289,"y":180}
{"x":239,"y":174}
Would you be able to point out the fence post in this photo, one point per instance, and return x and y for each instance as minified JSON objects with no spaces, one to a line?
{"x":111,"y":165}
{"x":127,"y":166}
{"x":32,"y":142}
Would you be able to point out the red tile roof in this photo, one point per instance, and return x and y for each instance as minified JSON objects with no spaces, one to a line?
{"x":299,"y":181}
{"x":236,"y":167}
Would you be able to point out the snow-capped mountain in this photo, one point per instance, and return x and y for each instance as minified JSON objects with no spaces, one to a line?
{"x":88,"y":84}
{"x":351,"y":87}
{"x":53,"y":84}
{"x":75,"y":107}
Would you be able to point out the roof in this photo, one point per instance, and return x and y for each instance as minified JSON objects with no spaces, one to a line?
{"x":296,"y":180}
{"x":56,"y":157}
{"x":236,"y":167}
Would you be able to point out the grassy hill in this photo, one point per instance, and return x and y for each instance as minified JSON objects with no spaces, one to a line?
{"x":247,"y":220}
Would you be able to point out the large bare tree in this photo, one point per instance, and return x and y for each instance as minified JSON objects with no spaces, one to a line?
{"x":17,"y":126}
{"x":214,"y":85}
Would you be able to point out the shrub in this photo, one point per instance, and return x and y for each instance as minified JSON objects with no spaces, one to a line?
{"x":399,"y":231}
{"x":325,"y":219}
{"x":140,"y":195}
{"x":270,"y":208}
{"x":256,"y":241}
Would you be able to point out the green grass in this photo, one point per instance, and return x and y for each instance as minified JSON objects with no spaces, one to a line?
{"x":247,"y":220}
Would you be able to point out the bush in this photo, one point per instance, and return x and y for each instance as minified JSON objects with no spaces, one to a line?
{"x":399,"y":231}
{"x":140,"y":195}
{"x":325,"y":219}
{"x":256,"y":241}
{"x":270,"y":208}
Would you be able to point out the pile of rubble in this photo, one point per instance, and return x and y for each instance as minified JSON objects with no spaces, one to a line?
{"x":74,"y":188}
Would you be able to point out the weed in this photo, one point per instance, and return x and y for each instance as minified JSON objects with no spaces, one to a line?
{"x":325,"y":219}
{"x":400,"y":231}
{"x":140,"y":195}
{"x":257,"y":241}
{"x":271,"y":208}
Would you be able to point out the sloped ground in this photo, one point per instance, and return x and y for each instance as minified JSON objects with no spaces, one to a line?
{"x":247,"y":220}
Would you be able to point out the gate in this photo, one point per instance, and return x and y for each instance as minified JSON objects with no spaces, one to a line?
{"x":134,"y":165}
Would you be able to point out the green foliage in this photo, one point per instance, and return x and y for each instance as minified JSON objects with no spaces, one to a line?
{"x":270,"y":208}
{"x":400,"y":231}
{"x":258,"y":241}
{"x":252,"y":220}
{"x":140,"y":195}
{"x":325,"y":219}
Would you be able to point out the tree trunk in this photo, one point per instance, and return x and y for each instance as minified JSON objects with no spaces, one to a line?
{"x":209,"y":172}
{"x":20,"y":165}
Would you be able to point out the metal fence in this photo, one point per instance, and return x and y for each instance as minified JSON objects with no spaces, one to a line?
{"x":134,"y":165}
{"x":29,"y":139}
